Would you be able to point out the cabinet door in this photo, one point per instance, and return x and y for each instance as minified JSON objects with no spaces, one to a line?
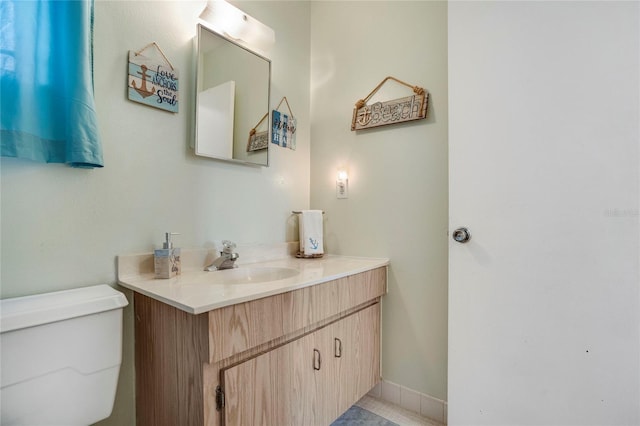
{"x":355,"y":347}
{"x":279,"y":387}
{"x":309,"y":381}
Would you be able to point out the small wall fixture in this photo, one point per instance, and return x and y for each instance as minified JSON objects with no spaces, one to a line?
{"x":342,"y":185}
{"x":233,"y":23}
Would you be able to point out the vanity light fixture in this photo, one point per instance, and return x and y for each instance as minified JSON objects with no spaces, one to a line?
{"x":342,"y":185}
{"x":228,"y":20}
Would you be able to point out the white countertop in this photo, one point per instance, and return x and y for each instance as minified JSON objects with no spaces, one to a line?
{"x":191,"y":292}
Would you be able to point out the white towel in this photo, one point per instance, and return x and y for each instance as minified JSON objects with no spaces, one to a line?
{"x":310,"y":225}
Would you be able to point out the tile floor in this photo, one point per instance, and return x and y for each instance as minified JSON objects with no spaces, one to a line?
{"x":394,"y":413}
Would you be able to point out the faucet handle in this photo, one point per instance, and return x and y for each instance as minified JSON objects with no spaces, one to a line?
{"x":228,"y":246}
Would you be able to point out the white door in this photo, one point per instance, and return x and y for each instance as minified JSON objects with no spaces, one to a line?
{"x":544,"y":302}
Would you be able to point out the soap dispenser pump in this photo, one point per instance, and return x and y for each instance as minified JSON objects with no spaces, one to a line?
{"x":166,"y":261}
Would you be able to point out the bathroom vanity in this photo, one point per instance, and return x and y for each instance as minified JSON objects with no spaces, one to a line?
{"x":294,"y":348}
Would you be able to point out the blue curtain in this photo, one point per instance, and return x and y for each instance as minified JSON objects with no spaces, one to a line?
{"x":47,"y":109}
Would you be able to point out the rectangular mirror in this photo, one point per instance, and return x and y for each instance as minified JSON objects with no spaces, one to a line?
{"x":232,"y":100}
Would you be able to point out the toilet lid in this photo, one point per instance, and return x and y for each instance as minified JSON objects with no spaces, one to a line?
{"x":28,"y":311}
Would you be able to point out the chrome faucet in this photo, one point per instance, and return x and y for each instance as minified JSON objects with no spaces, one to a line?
{"x":227,"y":258}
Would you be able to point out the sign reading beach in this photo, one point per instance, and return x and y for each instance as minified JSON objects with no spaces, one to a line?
{"x":390,"y":112}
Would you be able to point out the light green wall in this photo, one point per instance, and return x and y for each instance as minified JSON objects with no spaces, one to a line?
{"x":397,"y":205}
{"x":62,"y":228}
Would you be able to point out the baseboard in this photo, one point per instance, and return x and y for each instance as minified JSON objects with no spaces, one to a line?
{"x":420,"y":403}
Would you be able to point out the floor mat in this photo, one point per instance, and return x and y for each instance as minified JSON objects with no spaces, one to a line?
{"x":359,"y":416}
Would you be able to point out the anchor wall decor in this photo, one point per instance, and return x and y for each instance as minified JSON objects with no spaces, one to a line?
{"x":151,"y":81}
{"x":390,"y":112}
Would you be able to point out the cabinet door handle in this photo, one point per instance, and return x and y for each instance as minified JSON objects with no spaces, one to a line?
{"x":337,"y":347}
{"x":317,"y":360}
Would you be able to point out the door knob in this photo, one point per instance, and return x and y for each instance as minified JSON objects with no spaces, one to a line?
{"x":461,"y":235}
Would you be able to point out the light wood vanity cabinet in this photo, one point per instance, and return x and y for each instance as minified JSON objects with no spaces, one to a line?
{"x":298,"y":358}
{"x":309,"y":381}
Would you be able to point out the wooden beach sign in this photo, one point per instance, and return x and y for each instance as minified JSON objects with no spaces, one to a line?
{"x":152,"y":82}
{"x":390,"y":112}
{"x":258,"y":140}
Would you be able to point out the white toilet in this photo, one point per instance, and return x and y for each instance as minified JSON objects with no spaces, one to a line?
{"x":61,"y":354}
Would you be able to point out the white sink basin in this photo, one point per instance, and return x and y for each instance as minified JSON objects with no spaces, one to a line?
{"x":251,"y":275}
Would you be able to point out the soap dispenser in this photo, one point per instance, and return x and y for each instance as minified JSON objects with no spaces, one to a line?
{"x":166,"y":260}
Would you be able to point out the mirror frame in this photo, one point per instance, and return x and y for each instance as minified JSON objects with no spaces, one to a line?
{"x":197,"y":86}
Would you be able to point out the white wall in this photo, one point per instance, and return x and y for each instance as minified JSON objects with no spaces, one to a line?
{"x":63,"y":227}
{"x":397,"y":205}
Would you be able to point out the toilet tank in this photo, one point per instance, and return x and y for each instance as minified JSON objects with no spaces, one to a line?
{"x":60,"y":356}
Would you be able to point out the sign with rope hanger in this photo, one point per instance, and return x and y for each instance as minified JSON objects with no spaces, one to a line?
{"x":258,"y":140}
{"x":390,"y":112}
{"x":152,"y":82}
{"x":283,"y":127}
